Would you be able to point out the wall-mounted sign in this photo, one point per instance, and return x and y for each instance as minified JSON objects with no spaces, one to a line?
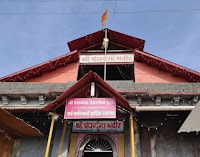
{"x":98,"y":126}
{"x":90,"y":108}
{"x":110,"y":58}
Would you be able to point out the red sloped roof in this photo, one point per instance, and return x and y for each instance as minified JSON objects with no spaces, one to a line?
{"x":115,"y":37}
{"x":95,"y":38}
{"x":39,"y":69}
{"x":17,"y":126}
{"x":162,"y":64}
{"x":80,"y":90}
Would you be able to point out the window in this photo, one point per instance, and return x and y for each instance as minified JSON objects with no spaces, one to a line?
{"x":113,"y":72}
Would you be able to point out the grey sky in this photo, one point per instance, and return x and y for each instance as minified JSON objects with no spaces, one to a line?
{"x":32,"y":32}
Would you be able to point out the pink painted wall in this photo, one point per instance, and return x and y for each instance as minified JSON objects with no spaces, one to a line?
{"x":60,"y":75}
{"x":149,"y":74}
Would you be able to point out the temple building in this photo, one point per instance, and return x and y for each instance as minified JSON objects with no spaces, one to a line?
{"x":107,"y":97}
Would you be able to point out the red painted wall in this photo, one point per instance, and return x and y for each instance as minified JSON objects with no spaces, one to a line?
{"x":60,"y":75}
{"x":149,"y":74}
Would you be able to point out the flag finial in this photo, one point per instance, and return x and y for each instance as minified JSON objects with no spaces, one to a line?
{"x":103,"y":18}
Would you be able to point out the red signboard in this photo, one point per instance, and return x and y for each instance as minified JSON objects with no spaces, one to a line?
{"x":90,"y":108}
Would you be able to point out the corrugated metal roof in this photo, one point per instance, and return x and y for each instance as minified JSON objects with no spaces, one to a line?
{"x":17,"y":126}
{"x":192,"y":124}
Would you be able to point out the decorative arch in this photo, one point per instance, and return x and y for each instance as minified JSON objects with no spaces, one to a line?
{"x":102,"y":137}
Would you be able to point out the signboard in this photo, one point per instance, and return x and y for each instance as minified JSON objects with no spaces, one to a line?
{"x":110,"y":58}
{"x":90,"y":108}
{"x":98,"y":126}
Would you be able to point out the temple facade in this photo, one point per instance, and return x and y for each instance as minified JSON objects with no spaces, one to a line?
{"x":106,"y":97}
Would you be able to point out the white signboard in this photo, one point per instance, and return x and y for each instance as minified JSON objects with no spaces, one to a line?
{"x":110,"y":58}
{"x":98,"y":126}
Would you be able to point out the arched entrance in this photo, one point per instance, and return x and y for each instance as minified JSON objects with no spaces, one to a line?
{"x":97,"y":146}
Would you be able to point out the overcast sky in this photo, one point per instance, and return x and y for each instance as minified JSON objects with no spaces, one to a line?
{"x":32,"y":32}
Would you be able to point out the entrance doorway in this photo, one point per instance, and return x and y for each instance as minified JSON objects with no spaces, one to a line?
{"x":98,"y":148}
{"x":97,"y":145}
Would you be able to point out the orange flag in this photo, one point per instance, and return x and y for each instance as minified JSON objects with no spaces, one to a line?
{"x":103,"y":18}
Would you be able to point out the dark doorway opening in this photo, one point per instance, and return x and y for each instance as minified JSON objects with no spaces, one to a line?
{"x":98,"y":154}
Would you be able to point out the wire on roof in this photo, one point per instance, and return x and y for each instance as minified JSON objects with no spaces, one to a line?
{"x":93,"y":13}
{"x":125,"y":77}
{"x":58,"y":1}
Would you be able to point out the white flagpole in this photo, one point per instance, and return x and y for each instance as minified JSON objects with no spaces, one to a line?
{"x":105,"y":56}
